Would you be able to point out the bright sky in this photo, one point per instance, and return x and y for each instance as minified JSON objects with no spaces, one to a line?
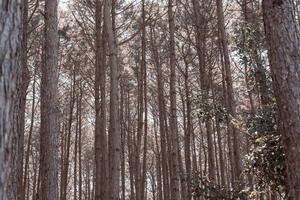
{"x":63,"y":4}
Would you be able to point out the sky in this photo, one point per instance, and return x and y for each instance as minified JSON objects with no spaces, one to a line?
{"x":63,"y":4}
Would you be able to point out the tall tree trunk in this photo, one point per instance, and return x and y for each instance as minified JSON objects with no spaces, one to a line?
{"x":76,"y":149}
{"x":188,"y":131}
{"x":200,"y":23}
{"x":173,"y":107}
{"x":123,"y":136}
{"x":219,"y":140}
{"x":10,"y":28}
{"x":114,"y":141}
{"x":28,"y":148}
{"x":231,"y":107}
{"x":100,"y":105}
{"x":144,"y":66}
{"x":49,"y":106}
{"x":158,"y":169}
{"x":283,"y":41}
{"x":80,"y":143}
{"x":162,"y":117}
{"x":22,"y":87}
{"x":66,"y":160}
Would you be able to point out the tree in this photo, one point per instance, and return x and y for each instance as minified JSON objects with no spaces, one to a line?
{"x":10,"y":26}
{"x":49,"y":106}
{"x":100,"y":103}
{"x":283,"y":41}
{"x":231,"y":104}
{"x":114,"y":144}
{"x":173,"y":110}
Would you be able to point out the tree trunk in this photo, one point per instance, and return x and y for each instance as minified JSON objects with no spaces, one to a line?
{"x":114,"y":141}
{"x":283,"y":42}
{"x":66,"y":160}
{"x":49,"y":106}
{"x":10,"y":28}
{"x":162,"y":117}
{"x":80,"y":144}
{"x":144,"y":66}
{"x":188,"y":129}
{"x":100,"y":105}
{"x":28,"y":148}
{"x":173,"y":107}
{"x":230,"y":93}
{"x":22,"y":87}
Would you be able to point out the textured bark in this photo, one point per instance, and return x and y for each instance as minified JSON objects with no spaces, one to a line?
{"x":10,"y":19}
{"x":98,"y":148}
{"x":114,"y":140}
{"x":100,"y":105}
{"x":49,"y":106}
{"x":173,"y":107}
{"x":284,"y":54}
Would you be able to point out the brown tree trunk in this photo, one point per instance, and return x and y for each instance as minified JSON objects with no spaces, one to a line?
{"x":49,"y":106}
{"x":173,"y":107}
{"x":80,"y":144}
{"x":188,"y":130}
{"x":144,"y":66}
{"x":100,"y":105}
{"x":76,"y":149}
{"x":283,"y":42}
{"x":114,"y":141}
{"x":66,"y":160}
{"x":10,"y":29}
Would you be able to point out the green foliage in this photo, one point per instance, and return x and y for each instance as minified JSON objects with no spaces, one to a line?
{"x":202,"y":187}
{"x":266,"y":159}
{"x":207,"y":110}
{"x":249,"y":48}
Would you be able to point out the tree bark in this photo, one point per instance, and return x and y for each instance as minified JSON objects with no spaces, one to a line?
{"x":49,"y":106}
{"x":100,"y":105}
{"x":10,"y":29}
{"x":173,"y":107}
{"x":114,"y":141}
{"x":283,"y":42}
